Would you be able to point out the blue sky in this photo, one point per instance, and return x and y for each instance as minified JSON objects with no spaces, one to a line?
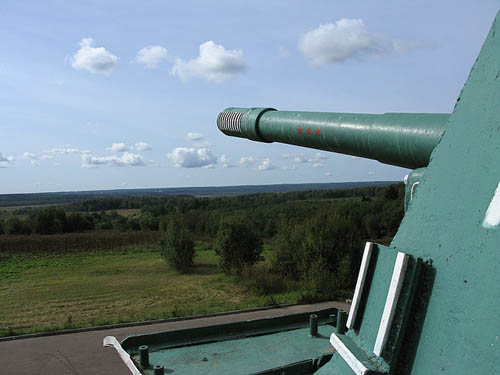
{"x":124,"y":94}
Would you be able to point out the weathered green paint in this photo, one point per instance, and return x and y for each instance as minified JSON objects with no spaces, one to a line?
{"x":461,"y":333}
{"x":246,"y":355}
{"x":266,"y":346}
{"x":403,"y":139}
{"x":380,"y":271}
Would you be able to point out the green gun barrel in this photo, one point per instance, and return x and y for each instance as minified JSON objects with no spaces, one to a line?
{"x":401,"y":139}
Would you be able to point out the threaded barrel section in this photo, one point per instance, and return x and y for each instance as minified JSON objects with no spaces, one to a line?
{"x":230,"y":123}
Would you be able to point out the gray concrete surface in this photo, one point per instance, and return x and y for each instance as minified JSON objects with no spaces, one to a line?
{"x":82,"y":353}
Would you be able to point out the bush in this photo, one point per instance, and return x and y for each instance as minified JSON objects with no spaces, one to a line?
{"x":321,"y":252}
{"x":15,"y":225}
{"x":237,"y":244}
{"x":176,"y":247}
{"x":259,"y":279}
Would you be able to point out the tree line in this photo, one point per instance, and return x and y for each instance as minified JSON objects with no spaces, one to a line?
{"x":200,"y":215}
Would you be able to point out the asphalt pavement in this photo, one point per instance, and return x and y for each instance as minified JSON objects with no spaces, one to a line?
{"x":83,"y":353}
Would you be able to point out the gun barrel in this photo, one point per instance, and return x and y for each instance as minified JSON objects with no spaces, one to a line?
{"x":401,"y":139}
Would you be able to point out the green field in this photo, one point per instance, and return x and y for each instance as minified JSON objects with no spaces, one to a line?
{"x":60,"y":291}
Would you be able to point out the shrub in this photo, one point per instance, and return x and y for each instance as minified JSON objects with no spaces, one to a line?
{"x":15,"y":225}
{"x":321,"y":252}
{"x":176,"y":247}
{"x":237,"y":244}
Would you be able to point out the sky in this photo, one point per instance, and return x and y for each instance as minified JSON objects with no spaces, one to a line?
{"x":113,"y":94}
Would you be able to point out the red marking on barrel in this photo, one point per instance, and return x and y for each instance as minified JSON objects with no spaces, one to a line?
{"x":317,"y":132}
{"x":300,"y":130}
{"x":308,"y":131}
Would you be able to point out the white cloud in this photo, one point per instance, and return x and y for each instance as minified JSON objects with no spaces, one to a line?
{"x":28,"y":156}
{"x":93,"y":59}
{"x":184,"y":157}
{"x":127,"y":159}
{"x":328,"y":173}
{"x":46,"y":157}
{"x":318,"y":165}
{"x":301,"y":158}
{"x":151,"y":56}
{"x":6,"y":160}
{"x":214,"y":63}
{"x":66,"y":150}
{"x":340,"y":41}
{"x":318,"y":156}
{"x":266,"y":165}
{"x":122,"y":147}
{"x":142,"y":146}
{"x":246,"y":161}
{"x":194,"y":136}
{"x":118,"y":147}
{"x":31,"y":157}
{"x":225,"y":162}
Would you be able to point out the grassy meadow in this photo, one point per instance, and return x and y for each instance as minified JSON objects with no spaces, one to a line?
{"x":59,"y":291}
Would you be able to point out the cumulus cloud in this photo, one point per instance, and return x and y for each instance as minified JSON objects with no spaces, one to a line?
{"x":46,"y":157}
{"x":127,"y":159}
{"x":122,"y":147}
{"x":118,"y":147}
{"x":214,"y":63}
{"x":93,"y":59}
{"x":6,"y":160}
{"x":225,"y":162}
{"x":266,"y":165}
{"x":320,"y":156}
{"x":246,"y":161}
{"x":318,"y":165}
{"x":151,"y":56}
{"x":343,"y":40}
{"x":28,"y":156}
{"x":301,"y":158}
{"x":194,"y":136}
{"x":190,"y":157}
{"x":31,"y":157}
{"x":142,"y":146}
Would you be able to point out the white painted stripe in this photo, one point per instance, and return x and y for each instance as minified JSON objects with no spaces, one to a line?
{"x":356,"y":299}
{"x":492,"y":217}
{"x":391,"y":302}
{"x":111,"y":341}
{"x":355,"y":364}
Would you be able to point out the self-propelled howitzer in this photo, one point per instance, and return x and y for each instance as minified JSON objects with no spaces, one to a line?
{"x":401,"y":139}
